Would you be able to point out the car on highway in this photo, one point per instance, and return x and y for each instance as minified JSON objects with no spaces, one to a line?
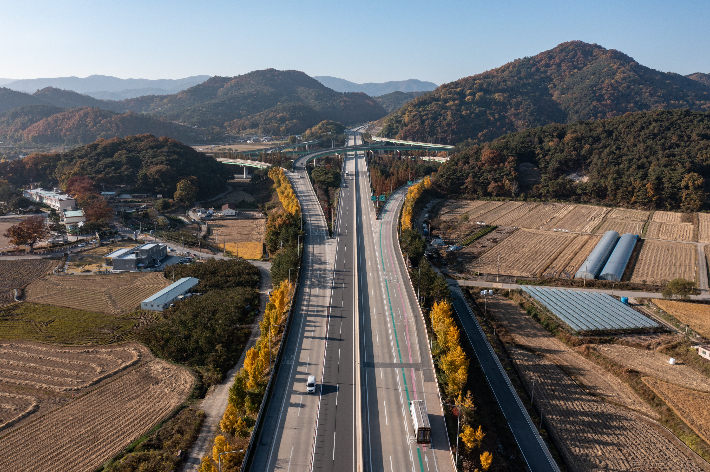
{"x":311,"y":384}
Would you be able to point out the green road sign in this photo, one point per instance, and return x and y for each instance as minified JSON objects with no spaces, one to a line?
{"x":409,"y":182}
{"x":382,"y":198}
{"x":373,"y":198}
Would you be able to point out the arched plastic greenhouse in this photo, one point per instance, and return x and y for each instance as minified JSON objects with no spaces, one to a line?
{"x":594,"y":263}
{"x":615,"y":266}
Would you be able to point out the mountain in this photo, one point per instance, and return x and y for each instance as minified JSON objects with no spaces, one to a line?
{"x":241,"y":103}
{"x":129,"y":93}
{"x":98,"y":83}
{"x":574,"y":81}
{"x":6,"y":81}
{"x":10,"y":99}
{"x":376,"y":89}
{"x":144,"y":163}
{"x":71,"y":99}
{"x":700,"y":77}
{"x":651,"y":159}
{"x":85,"y":125}
{"x":396,"y":100}
{"x":13,"y":122}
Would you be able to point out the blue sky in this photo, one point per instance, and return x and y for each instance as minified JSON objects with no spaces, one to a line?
{"x":364,"y":41}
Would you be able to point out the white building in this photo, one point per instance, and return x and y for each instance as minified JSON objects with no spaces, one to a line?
{"x":71,"y":218}
{"x":162,"y":300}
{"x":56,"y":200}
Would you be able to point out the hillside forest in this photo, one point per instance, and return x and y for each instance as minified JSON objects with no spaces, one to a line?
{"x":658,"y":159}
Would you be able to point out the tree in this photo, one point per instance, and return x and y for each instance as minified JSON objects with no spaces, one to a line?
{"x":413,"y":245}
{"x":229,"y":421}
{"x":679,"y":288}
{"x":27,"y":232}
{"x":486,"y":460}
{"x":81,"y":188}
{"x":98,"y":210}
{"x":186,"y":192}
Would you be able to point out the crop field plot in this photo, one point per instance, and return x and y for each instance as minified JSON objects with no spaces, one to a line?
{"x":456,"y":208}
{"x":621,"y":226}
{"x":17,"y":274}
{"x":576,"y":262}
{"x":528,"y":333}
{"x":660,"y":261}
{"x":581,"y":218}
{"x":498,"y":212}
{"x":525,"y":253}
{"x":249,"y":250}
{"x":237,"y":231}
{"x":704,"y":227}
{"x":666,"y":217}
{"x":89,"y":429}
{"x":478,"y":212}
{"x":113,"y":294}
{"x":480,"y":246}
{"x":689,"y":405}
{"x":656,"y":365}
{"x":625,"y":214}
{"x":511,"y":218}
{"x":558,"y":267}
{"x":671,"y":231}
{"x":592,"y":434}
{"x":542,"y":214}
{"x":695,"y":315}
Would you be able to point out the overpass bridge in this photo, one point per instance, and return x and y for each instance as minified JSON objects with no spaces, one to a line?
{"x":285,"y":147}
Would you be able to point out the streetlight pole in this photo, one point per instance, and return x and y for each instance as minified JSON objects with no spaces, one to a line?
{"x":458,"y":429}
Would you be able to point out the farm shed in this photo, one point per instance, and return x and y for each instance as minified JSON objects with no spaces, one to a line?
{"x":703,"y":351}
{"x":131,"y":258}
{"x":615,"y":266}
{"x":594,"y":263}
{"x":169,"y":294}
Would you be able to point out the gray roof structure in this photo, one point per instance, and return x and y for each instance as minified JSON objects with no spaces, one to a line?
{"x":594,"y":263}
{"x":172,"y":291}
{"x":615,"y":266}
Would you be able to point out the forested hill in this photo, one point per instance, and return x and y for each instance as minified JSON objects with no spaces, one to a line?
{"x":10,"y":99}
{"x":395,"y":100}
{"x":70,"y":99}
{"x":657,"y":159}
{"x":700,"y":77}
{"x":573,"y":81}
{"x":231,"y":101}
{"x":144,"y":163}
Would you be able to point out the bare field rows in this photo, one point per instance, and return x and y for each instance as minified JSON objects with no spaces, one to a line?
{"x":592,"y":434}
{"x":498,"y":212}
{"x":563,"y":260}
{"x":581,"y":218}
{"x":543,"y":213}
{"x":525,"y":253}
{"x":625,"y":214}
{"x":671,"y":231}
{"x":666,"y":217}
{"x":664,"y":261}
{"x":111,"y":294}
{"x":488,"y":241}
{"x":621,"y":226}
{"x":576,"y":262}
{"x":92,"y":428}
{"x":689,"y":404}
{"x":695,"y":315}
{"x":528,"y":333}
{"x":17,"y":274}
{"x":475,"y":213}
{"x":704,"y":227}
{"x":512,"y":218}
{"x":656,"y":365}
{"x":455,"y":208}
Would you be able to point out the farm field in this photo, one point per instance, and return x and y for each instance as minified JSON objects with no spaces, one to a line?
{"x":455,"y":208}
{"x":498,"y":212}
{"x":528,"y":333}
{"x":488,"y":241}
{"x":85,"y":433}
{"x":581,"y":218}
{"x":559,"y":265}
{"x":54,"y":324}
{"x":475,"y":214}
{"x":576,"y":262}
{"x":542,"y":214}
{"x":250,"y":250}
{"x":689,"y":405}
{"x":19,"y":273}
{"x":664,"y":261}
{"x":591,"y":433}
{"x":525,"y":253}
{"x":626,"y":214}
{"x":112,"y":294}
{"x":704,"y":227}
{"x":237,"y":231}
{"x":511,"y":218}
{"x":671,"y":231}
{"x":656,"y":365}
{"x":620,"y":226}
{"x":695,"y":315}
{"x":666,"y":217}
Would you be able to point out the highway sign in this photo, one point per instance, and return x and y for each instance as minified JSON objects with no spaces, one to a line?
{"x":373,"y":198}
{"x":409,"y":182}
{"x":382,"y":198}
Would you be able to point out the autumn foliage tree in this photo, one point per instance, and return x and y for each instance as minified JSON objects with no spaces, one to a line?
{"x":27,"y":232}
{"x":414,"y":192}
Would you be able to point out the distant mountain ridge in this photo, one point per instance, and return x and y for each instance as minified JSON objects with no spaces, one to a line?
{"x":573,"y":81}
{"x":104,"y":83}
{"x":396,"y":100}
{"x":376,"y":89}
{"x":700,"y":77}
